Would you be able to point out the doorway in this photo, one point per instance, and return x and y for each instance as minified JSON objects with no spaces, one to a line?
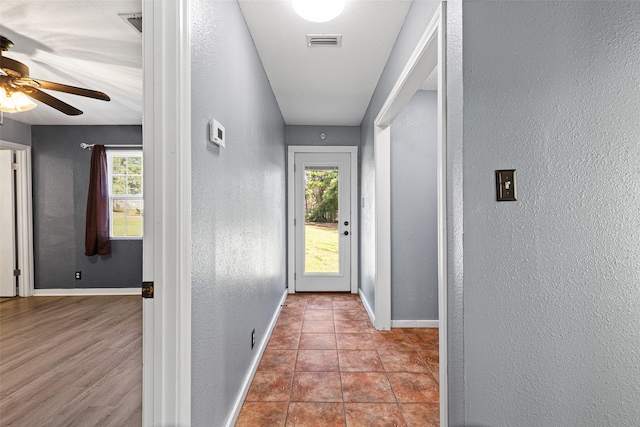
{"x":323,"y":223}
{"x":323,"y":206}
{"x":19,"y":213}
{"x":429,"y":55}
{"x":7,"y":226}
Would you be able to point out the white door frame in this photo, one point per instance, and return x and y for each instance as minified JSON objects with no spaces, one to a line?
{"x":166,"y":373}
{"x":429,"y":53}
{"x":24,"y":226}
{"x":291,"y":256}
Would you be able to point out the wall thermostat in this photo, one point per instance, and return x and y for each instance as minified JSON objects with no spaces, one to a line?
{"x":216,"y":133}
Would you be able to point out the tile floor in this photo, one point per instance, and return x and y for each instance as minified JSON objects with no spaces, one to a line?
{"x":325,"y":365}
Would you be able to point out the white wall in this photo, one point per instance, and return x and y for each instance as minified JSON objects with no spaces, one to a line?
{"x":552,"y":281}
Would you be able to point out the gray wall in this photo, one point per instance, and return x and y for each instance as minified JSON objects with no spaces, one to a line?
{"x":60,"y":188}
{"x":14,"y":131}
{"x":239,"y":206}
{"x":414,"y":222}
{"x":334,"y":135}
{"x":414,"y":26}
{"x":552,"y":297}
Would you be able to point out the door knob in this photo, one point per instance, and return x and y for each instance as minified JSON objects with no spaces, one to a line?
{"x":346,"y":233}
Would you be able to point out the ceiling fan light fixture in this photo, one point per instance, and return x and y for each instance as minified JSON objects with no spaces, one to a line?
{"x":319,"y":10}
{"x":15,"y":102}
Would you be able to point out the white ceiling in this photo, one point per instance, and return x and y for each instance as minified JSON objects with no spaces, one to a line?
{"x":85,"y":43}
{"x":324,"y":85}
{"x":80,"y":43}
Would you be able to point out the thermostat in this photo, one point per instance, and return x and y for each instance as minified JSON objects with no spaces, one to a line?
{"x":216,"y":133}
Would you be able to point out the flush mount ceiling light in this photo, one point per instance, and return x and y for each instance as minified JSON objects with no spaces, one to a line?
{"x":318,"y":10}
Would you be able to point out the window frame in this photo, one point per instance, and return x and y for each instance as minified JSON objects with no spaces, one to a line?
{"x":123,"y":153}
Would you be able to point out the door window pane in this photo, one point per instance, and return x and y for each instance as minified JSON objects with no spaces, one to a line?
{"x":322,"y":238}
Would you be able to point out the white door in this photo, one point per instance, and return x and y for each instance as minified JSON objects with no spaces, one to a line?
{"x":7,"y":226}
{"x":322,"y":187}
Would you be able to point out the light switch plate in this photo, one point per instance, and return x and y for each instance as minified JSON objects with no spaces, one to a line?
{"x":506,"y":185}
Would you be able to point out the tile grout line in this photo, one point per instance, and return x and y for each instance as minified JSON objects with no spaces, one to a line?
{"x":293,"y":373}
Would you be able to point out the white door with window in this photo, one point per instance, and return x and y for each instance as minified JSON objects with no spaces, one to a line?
{"x":323,"y":222}
{"x":7,"y":226}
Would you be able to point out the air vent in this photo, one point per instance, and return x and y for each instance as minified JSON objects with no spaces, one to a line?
{"x":314,"y":40}
{"x":133,"y":19}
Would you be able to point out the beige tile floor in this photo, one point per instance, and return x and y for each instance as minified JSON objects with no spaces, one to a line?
{"x":325,"y":365}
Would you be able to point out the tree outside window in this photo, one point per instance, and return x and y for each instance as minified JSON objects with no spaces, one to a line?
{"x":126,"y":194}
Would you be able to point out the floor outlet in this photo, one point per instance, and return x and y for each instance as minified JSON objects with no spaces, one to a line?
{"x":78,"y":275}
{"x":253,"y":338}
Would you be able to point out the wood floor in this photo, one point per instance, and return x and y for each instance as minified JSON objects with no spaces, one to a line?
{"x":71,"y":361}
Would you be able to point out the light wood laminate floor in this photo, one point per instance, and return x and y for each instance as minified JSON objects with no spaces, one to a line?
{"x":71,"y":361}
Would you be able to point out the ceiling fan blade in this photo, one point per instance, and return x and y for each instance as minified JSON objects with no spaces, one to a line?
{"x":45,"y":98}
{"x":59,"y":87}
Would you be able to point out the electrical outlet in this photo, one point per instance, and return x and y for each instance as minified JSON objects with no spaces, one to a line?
{"x":253,"y":338}
{"x":78,"y":275}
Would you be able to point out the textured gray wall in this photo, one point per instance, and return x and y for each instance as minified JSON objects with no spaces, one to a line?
{"x":239,"y":207}
{"x":414,"y":26}
{"x":455,"y":213}
{"x":60,"y":188}
{"x":335,"y":135}
{"x":14,"y":131}
{"x":552,"y":296}
{"x":414,"y":222}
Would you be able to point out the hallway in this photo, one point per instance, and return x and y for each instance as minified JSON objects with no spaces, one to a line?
{"x":325,"y":365}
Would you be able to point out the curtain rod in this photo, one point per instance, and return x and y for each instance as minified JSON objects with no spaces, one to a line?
{"x":85,"y":146}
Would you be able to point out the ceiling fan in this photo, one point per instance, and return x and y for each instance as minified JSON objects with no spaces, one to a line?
{"x":16,"y":86}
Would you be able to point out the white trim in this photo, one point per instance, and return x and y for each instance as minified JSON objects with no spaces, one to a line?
{"x":85,"y":292}
{"x":429,"y":53}
{"x":24,"y":226}
{"x":291,"y":230}
{"x":367,"y":307}
{"x":231,"y":421}
{"x":415,"y":323}
{"x":166,"y":384}
{"x":443,"y":287}
{"x":291,"y":258}
{"x":382,"y":164}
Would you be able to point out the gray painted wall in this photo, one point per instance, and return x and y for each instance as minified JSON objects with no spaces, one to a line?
{"x":414,"y":26}
{"x":552,"y":296}
{"x":414,"y":222}
{"x":239,"y":206}
{"x":60,"y":187}
{"x":455,"y":213}
{"x":334,"y":135}
{"x":14,"y":131}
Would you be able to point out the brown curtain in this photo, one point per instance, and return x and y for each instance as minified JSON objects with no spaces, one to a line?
{"x":97,"y":240}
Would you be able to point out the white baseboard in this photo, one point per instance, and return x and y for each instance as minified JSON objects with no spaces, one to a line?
{"x":367,"y":307}
{"x":86,"y":292}
{"x":415,"y":324}
{"x":231,"y":421}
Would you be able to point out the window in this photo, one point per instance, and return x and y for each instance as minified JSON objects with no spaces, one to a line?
{"x":125,"y":194}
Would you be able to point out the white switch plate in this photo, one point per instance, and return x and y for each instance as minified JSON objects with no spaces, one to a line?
{"x":217,"y":134}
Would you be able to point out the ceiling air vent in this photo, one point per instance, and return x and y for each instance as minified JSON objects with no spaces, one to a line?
{"x":314,"y":40}
{"x":133,"y":19}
